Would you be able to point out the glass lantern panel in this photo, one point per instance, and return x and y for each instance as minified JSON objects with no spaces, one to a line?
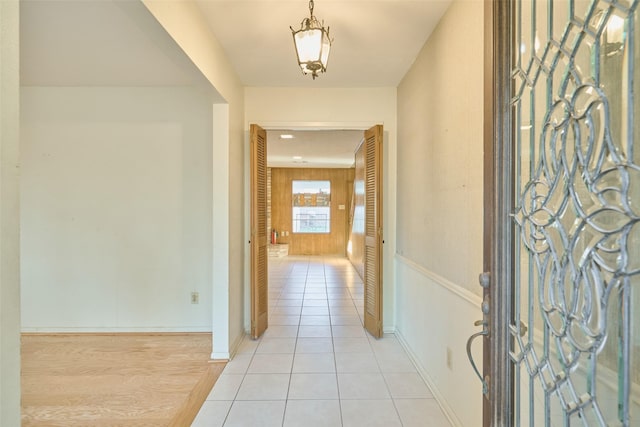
{"x":308,"y":45}
{"x":326,"y":47}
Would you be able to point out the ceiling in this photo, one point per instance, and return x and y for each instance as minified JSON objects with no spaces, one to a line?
{"x":375,"y":42}
{"x":320,"y":148}
{"x":119,"y":43}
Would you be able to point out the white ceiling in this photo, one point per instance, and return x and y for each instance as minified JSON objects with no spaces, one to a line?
{"x":320,"y":148}
{"x":119,"y":43}
{"x":375,"y":42}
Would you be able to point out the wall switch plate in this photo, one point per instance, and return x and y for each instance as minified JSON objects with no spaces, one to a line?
{"x":195,"y":298}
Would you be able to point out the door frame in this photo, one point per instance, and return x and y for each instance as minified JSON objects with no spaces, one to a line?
{"x":498,"y":199}
{"x":387,"y":257}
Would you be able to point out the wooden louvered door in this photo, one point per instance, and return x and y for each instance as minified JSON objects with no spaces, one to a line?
{"x":259,"y":240}
{"x":373,"y":231}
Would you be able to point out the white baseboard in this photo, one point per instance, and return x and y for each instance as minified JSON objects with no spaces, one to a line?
{"x":233,"y":349}
{"x":220,"y":357}
{"x":100,"y":330}
{"x":446,"y":409}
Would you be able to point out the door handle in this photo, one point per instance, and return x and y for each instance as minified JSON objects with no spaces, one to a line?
{"x":485,"y":280}
{"x":482,"y":333}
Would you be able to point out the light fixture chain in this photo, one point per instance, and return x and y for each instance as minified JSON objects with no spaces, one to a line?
{"x":311,"y":7}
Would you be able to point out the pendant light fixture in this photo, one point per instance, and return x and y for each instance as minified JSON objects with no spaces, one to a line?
{"x":312,"y":44}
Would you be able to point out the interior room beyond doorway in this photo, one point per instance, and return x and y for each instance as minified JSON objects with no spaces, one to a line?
{"x":308,"y":220}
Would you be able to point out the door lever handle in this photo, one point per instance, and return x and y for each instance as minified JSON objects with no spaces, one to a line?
{"x":485,"y":282}
{"x":483,"y":332}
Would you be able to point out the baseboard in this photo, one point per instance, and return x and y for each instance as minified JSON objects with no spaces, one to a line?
{"x":109,"y":333}
{"x":91,"y":330}
{"x":236,"y":345}
{"x":233,"y":349}
{"x":446,"y":409}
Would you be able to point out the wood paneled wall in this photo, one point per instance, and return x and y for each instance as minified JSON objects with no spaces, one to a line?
{"x":334,"y":243}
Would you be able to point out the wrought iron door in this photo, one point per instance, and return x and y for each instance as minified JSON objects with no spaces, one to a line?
{"x":570,"y":166}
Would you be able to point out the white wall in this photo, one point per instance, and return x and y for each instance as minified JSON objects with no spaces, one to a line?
{"x":116,"y":220}
{"x":440,"y":212}
{"x":337,"y":108}
{"x":436,"y":316}
{"x":9,"y":216}
{"x":186,"y":25}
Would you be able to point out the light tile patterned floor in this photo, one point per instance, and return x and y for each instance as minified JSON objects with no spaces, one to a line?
{"x":316,"y":365}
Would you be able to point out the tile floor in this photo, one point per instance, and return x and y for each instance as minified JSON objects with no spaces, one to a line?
{"x":316,"y":365}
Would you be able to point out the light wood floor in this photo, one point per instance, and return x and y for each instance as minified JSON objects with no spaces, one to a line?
{"x":115,"y":380}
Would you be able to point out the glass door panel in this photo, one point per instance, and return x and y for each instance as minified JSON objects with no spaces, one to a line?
{"x":575,"y":331}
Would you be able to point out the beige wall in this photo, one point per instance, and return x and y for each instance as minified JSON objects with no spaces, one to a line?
{"x":116,"y":209}
{"x":439,"y":247}
{"x":187,"y":26}
{"x":9,"y":216}
{"x":440,"y":112}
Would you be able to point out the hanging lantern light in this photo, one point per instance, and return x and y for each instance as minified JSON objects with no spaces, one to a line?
{"x":312,"y":44}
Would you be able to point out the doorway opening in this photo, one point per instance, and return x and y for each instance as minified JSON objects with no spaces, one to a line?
{"x":307,"y":158}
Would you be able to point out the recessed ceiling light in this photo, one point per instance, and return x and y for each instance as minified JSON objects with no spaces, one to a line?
{"x":286,"y":136}
{"x":297,"y":157}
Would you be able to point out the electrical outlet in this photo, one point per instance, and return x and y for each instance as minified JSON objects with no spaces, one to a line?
{"x":195,"y":298}
{"x":449,"y":359}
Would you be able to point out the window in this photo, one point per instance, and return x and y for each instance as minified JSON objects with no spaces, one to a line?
{"x":311,"y":206}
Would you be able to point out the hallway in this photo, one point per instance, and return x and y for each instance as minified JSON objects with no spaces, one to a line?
{"x":316,"y":365}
